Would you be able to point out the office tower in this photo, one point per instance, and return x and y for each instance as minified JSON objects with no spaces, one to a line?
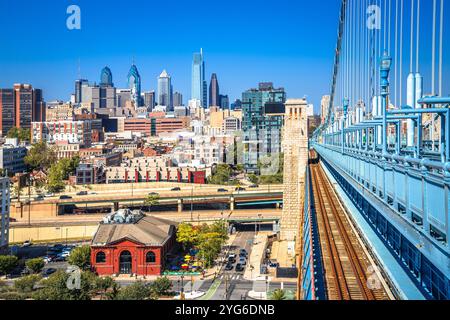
{"x":7,"y":111}
{"x":101,"y":97}
{"x":214,"y":96}
{"x":28,"y":105}
{"x":134,"y":83}
{"x":5,"y":200}
{"x":177,"y":99}
{"x":262,"y":121}
{"x":236,"y":105}
{"x":123,"y":97}
{"x":106,"y":79}
{"x":149,"y":99}
{"x":78,"y":89}
{"x":224,"y":101}
{"x":199,"y":85}
{"x":165,"y":91}
{"x":39,"y":108}
{"x":324,"y":104}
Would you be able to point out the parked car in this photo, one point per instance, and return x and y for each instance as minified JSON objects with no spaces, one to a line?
{"x":26,"y":243}
{"x":82,"y":193}
{"x":176,"y":189}
{"x":243,"y":261}
{"x":222,"y":190}
{"x":64,"y":197}
{"x":12,"y":219}
{"x":229,"y":266}
{"x":47,"y":259}
{"x":239,"y":267}
{"x":243,"y":253}
{"x":49,"y":271}
{"x":39,"y":198}
{"x":49,"y":194}
{"x":232,"y":258}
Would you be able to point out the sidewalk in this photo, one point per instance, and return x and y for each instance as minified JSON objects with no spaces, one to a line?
{"x":256,"y":256}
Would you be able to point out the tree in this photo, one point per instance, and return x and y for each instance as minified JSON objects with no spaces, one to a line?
{"x":151,"y":200}
{"x":35,"y":265}
{"x":19,"y":133}
{"x":253,"y":178}
{"x":102,"y":284}
{"x":161,"y":286}
{"x":278,"y":294}
{"x":221,"y":175}
{"x":7,"y":264}
{"x":27,"y":283}
{"x":55,"y":179}
{"x":55,"y":287}
{"x":136,"y":291}
{"x":40,"y":156}
{"x":81,"y":257}
{"x":187,"y":235}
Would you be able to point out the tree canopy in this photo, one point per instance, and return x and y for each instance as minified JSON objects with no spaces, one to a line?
{"x":22,"y":134}
{"x":40,"y":157}
{"x":81,"y":257}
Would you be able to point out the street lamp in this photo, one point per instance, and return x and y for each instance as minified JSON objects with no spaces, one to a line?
{"x":385,"y":67}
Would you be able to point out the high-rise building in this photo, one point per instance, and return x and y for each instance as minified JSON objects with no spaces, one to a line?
{"x":224,"y":101}
{"x":78,"y":89}
{"x":28,"y":105}
{"x":237,"y":104}
{"x":102,"y":97}
{"x":199,"y":85}
{"x":106,"y":78}
{"x":324,"y":104}
{"x":134,"y":83}
{"x":177,"y":99}
{"x":214,"y":96}
{"x":39,"y":108}
{"x":149,"y":99}
{"x":262,"y":121}
{"x":7,"y":111}
{"x":165,"y":91}
{"x":5,"y":199}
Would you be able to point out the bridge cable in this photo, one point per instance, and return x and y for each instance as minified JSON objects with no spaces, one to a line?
{"x":441,"y":49}
{"x":411,"y":57}
{"x":418,"y":36}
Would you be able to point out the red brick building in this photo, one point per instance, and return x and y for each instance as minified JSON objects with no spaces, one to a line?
{"x":132,"y":243}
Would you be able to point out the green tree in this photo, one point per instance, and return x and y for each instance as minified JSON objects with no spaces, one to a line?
{"x":81,"y":257}
{"x":40,"y":156}
{"x":151,"y":200}
{"x":35,"y":265}
{"x":7,"y":264}
{"x":55,"y":179}
{"x":221,"y":175}
{"x":278,"y":294}
{"x":253,"y":178}
{"x":162,"y":286}
{"x":136,"y":291}
{"x":103,"y":284}
{"x":19,"y":133}
{"x":27,"y":283}
{"x":55,"y":287}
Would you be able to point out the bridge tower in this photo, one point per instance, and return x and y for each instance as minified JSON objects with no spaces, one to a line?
{"x":295,"y":146}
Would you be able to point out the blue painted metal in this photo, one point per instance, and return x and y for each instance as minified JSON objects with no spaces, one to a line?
{"x":259,"y":203}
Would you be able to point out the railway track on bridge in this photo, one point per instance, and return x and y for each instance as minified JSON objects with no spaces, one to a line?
{"x":346,"y":263}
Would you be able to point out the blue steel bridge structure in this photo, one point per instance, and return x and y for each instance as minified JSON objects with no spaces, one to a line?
{"x":385,"y":140}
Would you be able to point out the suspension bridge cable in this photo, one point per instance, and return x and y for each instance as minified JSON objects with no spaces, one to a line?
{"x":411,"y":57}
{"x":396,"y":54}
{"x":401,"y":54}
{"x":433,"y":50}
{"x":441,"y":45}
{"x":418,"y":36}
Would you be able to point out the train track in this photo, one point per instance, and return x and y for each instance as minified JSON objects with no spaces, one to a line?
{"x":346,"y":264}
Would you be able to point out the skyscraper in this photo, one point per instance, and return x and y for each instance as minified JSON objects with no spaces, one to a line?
{"x":214,"y":96}
{"x":224,"y":101}
{"x":165,"y":91}
{"x":134,"y":83}
{"x":262,"y":121}
{"x":7,"y":110}
{"x":149,"y":99}
{"x":106,"y":79}
{"x":199,"y":85}
{"x":78,"y":89}
{"x":28,"y":105}
{"x":177,"y":99}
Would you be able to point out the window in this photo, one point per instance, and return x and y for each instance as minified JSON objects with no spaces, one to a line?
{"x":100,"y":257}
{"x":150,"y":257}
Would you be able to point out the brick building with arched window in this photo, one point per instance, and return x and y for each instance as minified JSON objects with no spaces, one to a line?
{"x":129,"y":242}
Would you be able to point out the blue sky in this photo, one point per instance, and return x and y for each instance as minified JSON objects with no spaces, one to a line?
{"x":290,"y":43}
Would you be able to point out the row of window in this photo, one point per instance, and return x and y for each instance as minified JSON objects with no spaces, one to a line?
{"x":100,"y":257}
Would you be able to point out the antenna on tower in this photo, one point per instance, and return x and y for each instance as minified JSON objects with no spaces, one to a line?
{"x":79,"y":69}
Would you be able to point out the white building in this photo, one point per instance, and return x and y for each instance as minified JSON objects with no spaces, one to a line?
{"x":79,"y":132}
{"x":4,"y":215}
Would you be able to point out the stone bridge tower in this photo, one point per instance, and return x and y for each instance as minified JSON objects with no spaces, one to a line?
{"x":295,"y":146}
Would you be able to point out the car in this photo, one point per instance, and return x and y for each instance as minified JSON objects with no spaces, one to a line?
{"x":243,"y":254}
{"x":239,"y":267}
{"x":93,"y":193}
{"x":26,"y":243}
{"x":82,"y":193}
{"x":59,"y":258}
{"x":12,"y":219}
{"x":49,"y":271}
{"x":176,"y":189}
{"x":64,"y":197}
{"x":239,"y":189}
{"x":243,"y":260}
{"x":232,"y":258}
{"x":64,"y":254}
{"x":39,"y":198}
{"x":229,"y":266}
{"x":222,"y":190}
{"x":254,"y":186}
{"x":153,"y":194}
{"x":49,"y":194}
{"x":47,"y":259}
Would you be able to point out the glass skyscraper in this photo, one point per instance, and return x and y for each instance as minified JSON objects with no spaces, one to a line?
{"x":262,"y":122}
{"x":106,"y":79}
{"x":199,"y":85}
{"x":165,"y":91}
{"x":134,"y":83}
